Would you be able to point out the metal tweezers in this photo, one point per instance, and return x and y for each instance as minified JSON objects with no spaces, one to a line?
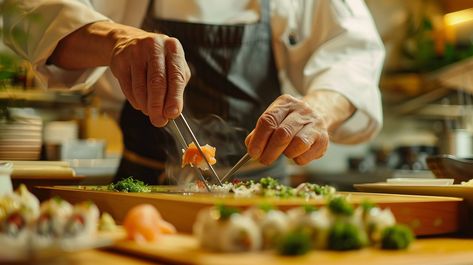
{"x":176,"y":129}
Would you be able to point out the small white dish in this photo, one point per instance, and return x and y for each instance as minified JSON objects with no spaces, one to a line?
{"x":421,"y":181}
{"x":5,"y":178}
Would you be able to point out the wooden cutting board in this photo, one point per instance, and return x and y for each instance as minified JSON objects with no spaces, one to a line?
{"x":426,"y":215}
{"x":184,"y":249}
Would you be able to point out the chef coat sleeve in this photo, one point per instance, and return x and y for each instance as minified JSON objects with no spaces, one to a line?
{"x":334,"y":45}
{"x":33,"y":29}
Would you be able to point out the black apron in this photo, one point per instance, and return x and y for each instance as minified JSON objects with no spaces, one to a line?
{"x":234,"y":79}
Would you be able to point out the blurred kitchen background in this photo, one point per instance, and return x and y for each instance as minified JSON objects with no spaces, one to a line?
{"x":426,"y":88}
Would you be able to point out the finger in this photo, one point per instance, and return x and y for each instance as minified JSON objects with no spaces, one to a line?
{"x":302,"y":142}
{"x":248,"y":138}
{"x":316,"y":151}
{"x":281,"y":138}
{"x":156,"y":84}
{"x":138,"y":83}
{"x":177,"y":77}
{"x":265,"y":126}
{"x":124,"y":79}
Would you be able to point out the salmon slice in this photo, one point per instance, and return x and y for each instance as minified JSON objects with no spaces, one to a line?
{"x":193,"y":157}
{"x":144,"y":223}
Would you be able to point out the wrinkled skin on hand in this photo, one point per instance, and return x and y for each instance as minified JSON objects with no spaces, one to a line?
{"x":152,"y":72}
{"x":291,"y":127}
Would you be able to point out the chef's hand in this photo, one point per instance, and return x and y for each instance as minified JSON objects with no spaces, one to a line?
{"x":152,"y":72}
{"x":150,"y":67}
{"x":297,"y":128}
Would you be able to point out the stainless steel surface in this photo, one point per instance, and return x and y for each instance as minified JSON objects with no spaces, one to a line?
{"x":182,"y":141}
{"x":237,"y":166}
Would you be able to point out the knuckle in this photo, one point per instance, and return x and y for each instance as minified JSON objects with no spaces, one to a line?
{"x":158,"y":78}
{"x":283,"y":134}
{"x":177,"y":77}
{"x":268,"y":120}
{"x":286,"y":97}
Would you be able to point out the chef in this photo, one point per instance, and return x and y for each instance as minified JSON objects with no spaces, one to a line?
{"x":230,"y":59}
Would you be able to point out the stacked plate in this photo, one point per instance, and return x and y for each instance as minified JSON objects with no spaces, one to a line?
{"x":21,"y":138}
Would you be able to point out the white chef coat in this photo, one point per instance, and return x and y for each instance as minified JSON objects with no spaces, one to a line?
{"x":336,"y":45}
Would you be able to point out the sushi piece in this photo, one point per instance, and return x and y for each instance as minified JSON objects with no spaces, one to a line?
{"x":53,"y":217}
{"x":272,"y":223}
{"x":83,"y":221}
{"x":224,"y":229}
{"x":107,"y":223}
{"x":15,"y":232}
{"x":8,"y":204}
{"x":191,"y":156}
{"x":29,"y":203}
{"x":314,"y":222}
{"x":376,"y":220}
{"x":143,"y":223}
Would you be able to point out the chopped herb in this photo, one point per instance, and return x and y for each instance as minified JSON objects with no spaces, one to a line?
{"x":367,"y":206}
{"x":266,"y":207}
{"x":294,"y":243}
{"x":129,"y":185}
{"x":226,"y":211}
{"x":346,"y":236}
{"x":396,"y":237}
{"x":269,"y":183}
{"x":309,"y":208}
{"x":340,"y":206}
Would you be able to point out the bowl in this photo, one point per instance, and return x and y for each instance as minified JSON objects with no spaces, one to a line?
{"x":449,"y":166}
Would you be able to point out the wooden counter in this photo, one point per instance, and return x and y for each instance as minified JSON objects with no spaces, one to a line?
{"x":440,"y":251}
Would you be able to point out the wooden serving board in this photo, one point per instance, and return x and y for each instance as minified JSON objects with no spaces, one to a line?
{"x":184,"y":249}
{"x":426,"y":215}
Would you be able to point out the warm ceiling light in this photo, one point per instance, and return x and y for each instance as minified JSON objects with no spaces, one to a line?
{"x":459,"y":17}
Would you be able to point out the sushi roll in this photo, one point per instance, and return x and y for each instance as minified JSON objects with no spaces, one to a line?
{"x":8,"y":204}
{"x":14,"y":231}
{"x":376,"y":220}
{"x":29,"y":202}
{"x":83,"y":221}
{"x":224,"y":229}
{"x":53,"y":217}
{"x":273,"y":223}
{"x":191,"y":156}
{"x":239,"y":234}
{"x":314,"y":222}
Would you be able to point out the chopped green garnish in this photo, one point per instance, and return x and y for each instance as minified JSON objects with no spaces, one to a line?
{"x":396,"y":237}
{"x":309,"y":208}
{"x":266,"y":207}
{"x":340,"y":206}
{"x":269,"y":183}
{"x":294,"y":243}
{"x":129,"y":185}
{"x":346,"y":236}
{"x":226,"y":211}
{"x":367,"y":206}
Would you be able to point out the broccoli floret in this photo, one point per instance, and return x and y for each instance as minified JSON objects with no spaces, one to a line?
{"x":340,"y":206}
{"x":226,"y":211}
{"x":396,"y":237}
{"x":346,"y":236}
{"x":294,"y":243}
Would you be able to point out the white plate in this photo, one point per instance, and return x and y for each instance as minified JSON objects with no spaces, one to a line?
{"x":420,"y":181}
